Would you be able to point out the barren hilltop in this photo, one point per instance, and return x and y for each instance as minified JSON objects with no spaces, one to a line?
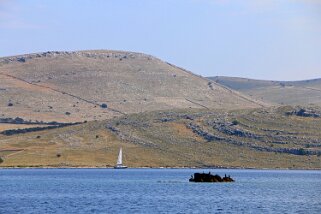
{"x":97,"y":85}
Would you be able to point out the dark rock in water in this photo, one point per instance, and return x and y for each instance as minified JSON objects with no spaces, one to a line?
{"x":227,"y":179}
{"x":208,"y":177}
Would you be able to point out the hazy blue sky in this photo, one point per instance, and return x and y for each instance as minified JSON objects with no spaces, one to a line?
{"x":263,"y":39}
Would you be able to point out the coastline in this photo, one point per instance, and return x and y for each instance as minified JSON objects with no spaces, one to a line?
{"x":161,"y":167}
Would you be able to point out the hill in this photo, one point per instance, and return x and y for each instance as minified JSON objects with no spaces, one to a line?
{"x":278,"y":92}
{"x":283,"y":137}
{"x":97,"y":85}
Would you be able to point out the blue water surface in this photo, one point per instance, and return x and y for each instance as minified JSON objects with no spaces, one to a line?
{"x":157,"y":191}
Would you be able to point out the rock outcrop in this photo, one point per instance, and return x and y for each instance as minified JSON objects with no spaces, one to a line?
{"x":208,"y":177}
{"x":304,"y":112}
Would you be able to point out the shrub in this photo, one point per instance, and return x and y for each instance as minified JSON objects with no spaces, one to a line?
{"x":301,"y":151}
{"x":1,"y":160}
{"x":235,"y":122}
{"x":18,"y":120}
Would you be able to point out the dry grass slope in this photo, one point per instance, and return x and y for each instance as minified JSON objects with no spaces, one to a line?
{"x":259,"y":138}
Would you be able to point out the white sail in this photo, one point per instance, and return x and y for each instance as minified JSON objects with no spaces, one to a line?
{"x":119,"y":164}
{"x":120,"y":157}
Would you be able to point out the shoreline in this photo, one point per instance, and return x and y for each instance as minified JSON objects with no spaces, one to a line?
{"x":193,"y":167}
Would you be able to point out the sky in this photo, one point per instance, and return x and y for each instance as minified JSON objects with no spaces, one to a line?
{"x":260,"y":39}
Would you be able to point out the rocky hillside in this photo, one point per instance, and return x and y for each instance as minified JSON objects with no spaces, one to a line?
{"x":276,"y":92}
{"x":283,"y":137}
{"x":97,"y":85}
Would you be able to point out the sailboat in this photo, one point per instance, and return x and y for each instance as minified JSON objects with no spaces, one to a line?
{"x":119,"y":164}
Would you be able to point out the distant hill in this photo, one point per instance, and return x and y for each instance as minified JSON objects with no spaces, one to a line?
{"x":278,"y":92}
{"x":97,"y":85}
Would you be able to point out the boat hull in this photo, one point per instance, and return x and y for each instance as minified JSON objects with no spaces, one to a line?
{"x":120,"y":167}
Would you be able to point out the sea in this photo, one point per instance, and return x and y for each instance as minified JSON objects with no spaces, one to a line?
{"x":158,"y":191}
